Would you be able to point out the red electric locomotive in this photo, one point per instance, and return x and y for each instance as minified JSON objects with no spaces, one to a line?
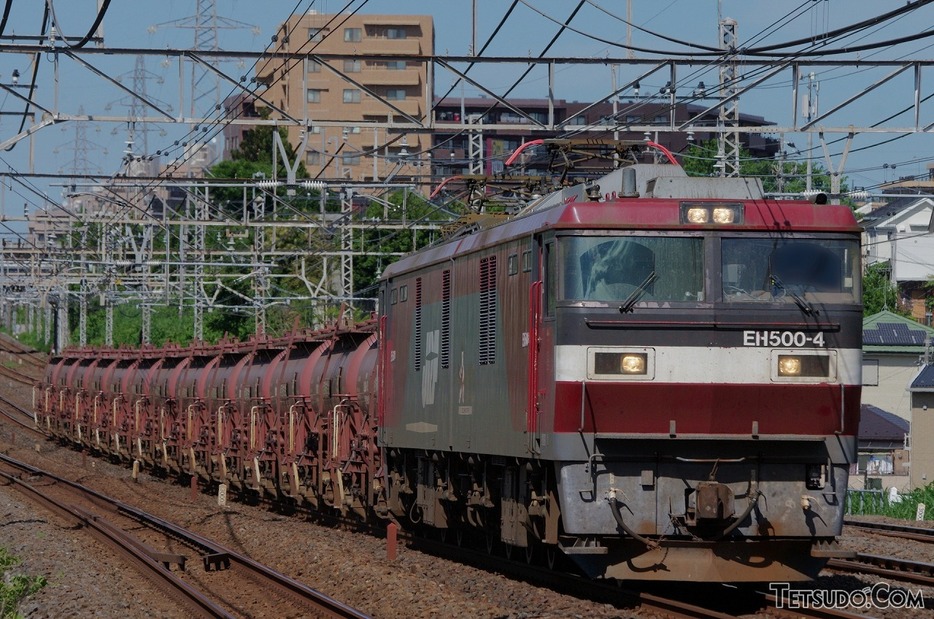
{"x":654,"y":375}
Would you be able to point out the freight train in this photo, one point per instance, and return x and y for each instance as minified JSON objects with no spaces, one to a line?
{"x":654,"y":376}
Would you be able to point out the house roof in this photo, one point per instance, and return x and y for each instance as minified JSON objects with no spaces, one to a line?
{"x":895,"y":211}
{"x":886,"y":331}
{"x":924,"y":381}
{"x":876,"y":425}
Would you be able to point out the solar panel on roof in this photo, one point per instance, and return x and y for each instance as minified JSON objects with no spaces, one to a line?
{"x":897,"y":334}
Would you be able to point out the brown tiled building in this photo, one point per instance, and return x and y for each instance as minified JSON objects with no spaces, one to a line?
{"x":338,"y":97}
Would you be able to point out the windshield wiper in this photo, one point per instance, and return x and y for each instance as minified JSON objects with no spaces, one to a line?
{"x":801,"y":303}
{"x":633,"y":298}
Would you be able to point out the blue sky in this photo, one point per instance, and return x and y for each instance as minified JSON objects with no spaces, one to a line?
{"x":146,"y":24}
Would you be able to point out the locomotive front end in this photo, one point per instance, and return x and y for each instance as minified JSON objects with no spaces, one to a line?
{"x":706,"y":369}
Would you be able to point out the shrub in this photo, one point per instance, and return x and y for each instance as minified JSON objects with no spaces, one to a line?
{"x":14,"y":588}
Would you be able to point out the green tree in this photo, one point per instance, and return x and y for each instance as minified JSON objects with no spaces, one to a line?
{"x":367,"y":268}
{"x":790,"y":177}
{"x":254,"y":159}
{"x":878,"y":290}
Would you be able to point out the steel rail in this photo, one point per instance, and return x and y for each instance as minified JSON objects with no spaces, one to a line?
{"x":215,"y":555}
{"x":920,"y":534}
{"x":191,"y":598}
{"x":889,"y":567}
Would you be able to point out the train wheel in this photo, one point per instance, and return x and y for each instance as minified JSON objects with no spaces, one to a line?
{"x":551,"y":556}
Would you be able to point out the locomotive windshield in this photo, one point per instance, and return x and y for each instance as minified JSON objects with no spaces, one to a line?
{"x":790,"y":269}
{"x":613,"y":268}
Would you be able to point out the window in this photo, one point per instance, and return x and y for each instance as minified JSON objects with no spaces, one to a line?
{"x":351,"y":95}
{"x":418,"y":324}
{"x":313,"y":95}
{"x":446,"y":319}
{"x":395,"y":65}
{"x":403,"y":293}
{"x":792,"y":271}
{"x":350,"y":159}
{"x":660,"y":119}
{"x":393,"y":296}
{"x":315,"y":34}
{"x":313,"y":66}
{"x":870,"y":372}
{"x":395,"y":94}
{"x":513,"y":264}
{"x":526,"y":261}
{"x":578,"y":120}
{"x":352,"y":35}
{"x":396,"y":33}
{"x":351,"y":66}
{"x":632,"y":268}
{"x":551,"y":279}
{"x":487,"y":351}
{"x":313,"y":157}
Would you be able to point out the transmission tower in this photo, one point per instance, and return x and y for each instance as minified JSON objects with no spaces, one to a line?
{"x":138,"y":132}
{"x":81,"y":147}
{"x":205,"y":84}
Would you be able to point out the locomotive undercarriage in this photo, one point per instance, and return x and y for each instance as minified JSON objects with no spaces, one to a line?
{"x":705,"y":510}
{"x":493,"y":499}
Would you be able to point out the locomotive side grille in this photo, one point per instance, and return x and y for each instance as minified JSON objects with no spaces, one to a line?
{"x":418,"y":324}
{"x":446,"y":319}
{"x":487,"y":351}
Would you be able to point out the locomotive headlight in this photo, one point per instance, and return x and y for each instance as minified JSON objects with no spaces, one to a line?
{"x":805,"y":366}
{"x":697,"y":215}
{"x":723,"y":215}
{"x":789,"y":365}
{"x":718,"y":213}
{"x":632,"y":363}
{"x":609,"y":364}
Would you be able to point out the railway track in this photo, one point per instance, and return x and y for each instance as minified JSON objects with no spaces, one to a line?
{"x":215,"y":560}
{"x":214,"y":557}
{"x":17,"y":376}
{"x":919,"y":534}
{"x":19,"y":416}
{"x":227,"y":584}
{"x":652,"y":598}
{"x":914,"y":572}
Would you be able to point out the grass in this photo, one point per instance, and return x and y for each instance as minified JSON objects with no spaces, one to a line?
{"x":14,"y":588}
{"x":905,"y":508}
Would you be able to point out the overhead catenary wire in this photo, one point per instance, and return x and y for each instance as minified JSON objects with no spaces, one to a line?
{"x":90,"y":34}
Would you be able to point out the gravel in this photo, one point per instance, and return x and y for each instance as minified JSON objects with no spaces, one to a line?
{"x":87,"y":580}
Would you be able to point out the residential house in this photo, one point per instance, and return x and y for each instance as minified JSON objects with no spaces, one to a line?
{"x":900,"y":233}
{"x":893,"y":348}
{"x":921,"y":471}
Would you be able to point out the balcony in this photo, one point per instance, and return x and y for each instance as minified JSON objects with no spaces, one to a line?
{"x":372,"y":107}
{"x":386,"y":77}
{"x":389,"y":46}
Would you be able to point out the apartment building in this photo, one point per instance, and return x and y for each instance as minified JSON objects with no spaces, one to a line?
{"x":503,"y":132}
{"x":354,"y":74}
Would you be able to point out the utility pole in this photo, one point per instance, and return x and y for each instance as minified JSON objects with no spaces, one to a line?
{"x":810,"y":111}
{"x":728,"y":142}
